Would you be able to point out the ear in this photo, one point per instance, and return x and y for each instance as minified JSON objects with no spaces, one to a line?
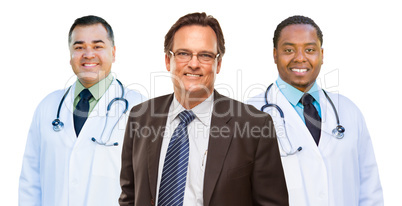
{"x":275,"y":55}
{"x":114,"y":53}
{"x":322,"y":56}
{"x":71,"y":55}
{"x":218,"y":67}
{"x":167,"y":62}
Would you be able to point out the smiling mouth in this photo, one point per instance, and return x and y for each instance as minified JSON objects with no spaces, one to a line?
{"x":89,"y":64}
{"x":299,"y":70}
{"x":193,"y":75}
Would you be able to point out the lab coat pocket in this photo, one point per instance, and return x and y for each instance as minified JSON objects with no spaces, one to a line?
{"x":104,"y":186}
{"x":292,"y":172}
{"x":107,"y":161}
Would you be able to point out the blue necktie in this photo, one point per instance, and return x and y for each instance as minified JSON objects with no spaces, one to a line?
{"x":313,"y":120}
{"x":81,"y":111}
{"x":173,"y":182}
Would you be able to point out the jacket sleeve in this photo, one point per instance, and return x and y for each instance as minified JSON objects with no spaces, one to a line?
{"x":370,"y":186}
{"x":268,"y":180}
{"x":127,"y":196}
{"x":30,"y":191}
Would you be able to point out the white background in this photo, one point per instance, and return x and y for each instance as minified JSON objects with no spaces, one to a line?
{"x":362,"y":60}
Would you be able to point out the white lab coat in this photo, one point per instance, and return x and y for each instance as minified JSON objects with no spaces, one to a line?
{"x":61,"y":169}
{"x":339,"y":172}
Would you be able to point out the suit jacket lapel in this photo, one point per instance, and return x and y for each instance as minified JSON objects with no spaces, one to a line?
{"x":159,"y":108}
{"x":218,"y":145}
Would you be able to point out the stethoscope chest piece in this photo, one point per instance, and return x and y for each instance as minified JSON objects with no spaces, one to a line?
{"x":57,"y":125}
{"x":338,"y":132}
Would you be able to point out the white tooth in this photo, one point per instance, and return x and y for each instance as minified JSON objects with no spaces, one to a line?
{"x":299,"y":70}
{"x":89,"y":64}
{"x":193,"y":75}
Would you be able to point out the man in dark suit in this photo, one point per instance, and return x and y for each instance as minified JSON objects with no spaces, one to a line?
{"x":195,"y":146}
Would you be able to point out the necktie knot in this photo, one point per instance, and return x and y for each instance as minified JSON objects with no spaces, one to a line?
{"x":85,"y":94}
{"x":186,"y":116}
{"x":307,"y":99}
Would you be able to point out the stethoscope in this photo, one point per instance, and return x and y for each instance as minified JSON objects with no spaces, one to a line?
{"x":59,"y":125}
{"x":337,"y":132}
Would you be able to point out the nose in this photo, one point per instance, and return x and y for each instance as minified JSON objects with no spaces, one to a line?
{"x":89,"y":53}
{"x":194,"y":63}
{"x":300,"y":56}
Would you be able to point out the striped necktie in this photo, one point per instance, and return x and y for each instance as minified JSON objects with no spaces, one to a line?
{"x":173,"y":182}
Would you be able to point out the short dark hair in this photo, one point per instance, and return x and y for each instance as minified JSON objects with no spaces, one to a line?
{"x":196,"y":19}
{"x":91,"y":20}
{"x":296,"y":20}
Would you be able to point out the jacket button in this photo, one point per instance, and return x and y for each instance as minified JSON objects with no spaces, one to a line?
{"x":152,"y":202}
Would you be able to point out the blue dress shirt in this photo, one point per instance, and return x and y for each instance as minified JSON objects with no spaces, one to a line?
{"x":294,"y":95}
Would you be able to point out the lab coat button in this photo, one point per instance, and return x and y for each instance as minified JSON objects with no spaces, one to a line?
{"x":322,"y":195}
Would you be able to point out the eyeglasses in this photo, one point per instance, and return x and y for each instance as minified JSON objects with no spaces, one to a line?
{"x":203,"y":57}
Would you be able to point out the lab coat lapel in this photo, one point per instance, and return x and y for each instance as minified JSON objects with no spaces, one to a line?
{"x":328,"y":122}
{"x":66,"y":115}
{"x":297,"y":131}
{"x":218,"y":146}
{"x":155,"y":142}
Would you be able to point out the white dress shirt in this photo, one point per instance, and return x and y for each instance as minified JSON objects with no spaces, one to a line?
{"x":198,"y":134}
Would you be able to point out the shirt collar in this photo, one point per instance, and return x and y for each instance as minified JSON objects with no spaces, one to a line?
{"x":292,"y":94}
{"x":202,"y":111}
{"x":97,"y":90}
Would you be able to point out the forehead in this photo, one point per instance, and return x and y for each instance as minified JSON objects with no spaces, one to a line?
{"x":89,"y":33}
{"x":298,"y":34}
{"x":195,"y":37}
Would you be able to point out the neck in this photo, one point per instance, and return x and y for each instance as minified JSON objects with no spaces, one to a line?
{"x":305,"y":89}
{"x":190,"y":99}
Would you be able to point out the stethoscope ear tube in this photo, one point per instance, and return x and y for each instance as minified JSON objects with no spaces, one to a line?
{"x":104,"y":144}
{"x":339,"y":130}
{"x":118,"y":99}
{"x":57,"y":124}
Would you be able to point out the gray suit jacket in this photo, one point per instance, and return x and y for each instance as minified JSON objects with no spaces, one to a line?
{"x":243,"y":165}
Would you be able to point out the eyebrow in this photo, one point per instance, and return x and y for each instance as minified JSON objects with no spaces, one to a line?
{"x":186,"y":50}
{"x":94,"y":42}
{"x":292,"y":44}
{"x":97,"y":41}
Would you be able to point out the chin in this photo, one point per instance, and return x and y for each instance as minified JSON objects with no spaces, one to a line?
{"x":302,"y":85}
{"x":88,"y":75}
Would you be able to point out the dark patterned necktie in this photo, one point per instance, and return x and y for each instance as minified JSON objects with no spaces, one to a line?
{"x":313,"y":120}
{"x":81,"y":111}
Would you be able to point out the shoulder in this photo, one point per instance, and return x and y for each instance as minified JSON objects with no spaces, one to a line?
{"x":244,"y":119}
{"x":347,"y":110}
{"x":53,"y":98}
{"x":134,"y":97}
{"x":237,"y":109}
{"x":257,"y":101}
{"x":153,"y":107}
{"x":49,"y":104}
{"x":340,"y":101}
